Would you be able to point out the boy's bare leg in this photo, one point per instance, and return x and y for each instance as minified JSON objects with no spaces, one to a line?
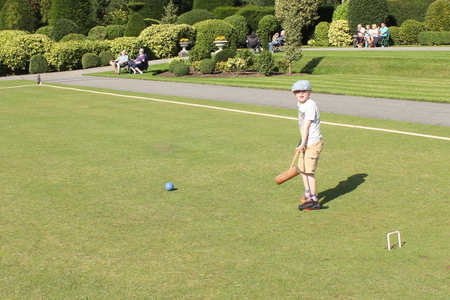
{"x":310,"y":183}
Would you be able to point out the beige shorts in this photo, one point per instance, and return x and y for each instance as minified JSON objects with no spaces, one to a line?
{"x":307,"y":162}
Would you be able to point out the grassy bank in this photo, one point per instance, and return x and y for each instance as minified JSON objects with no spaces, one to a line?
{"x":409,"y":75}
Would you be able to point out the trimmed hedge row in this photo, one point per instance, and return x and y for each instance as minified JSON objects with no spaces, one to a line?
{"x":434,"y":38}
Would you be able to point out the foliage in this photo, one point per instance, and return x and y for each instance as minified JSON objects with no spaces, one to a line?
{"x":18,"y":15}
{"x":400,"y":11}
{"x":434,"y":38}
{"x":163,"y":39}
{"x":339,"y":33}
{"x":62,"y":28}
{"x":114,"y":31}
{"x":367,"y":12}
{"x":208,"y":30}
{"x":135,"y":25}
{"x":105,"y":57}
{"x":253,"y":14}
{"x":74,"y":37}
{"x":283,"y":65}
{"x":174,"y":63}
{"x":437,"y":17}
{"x":90,"y":60}
{"x":241,"y":27}
{"x":410,"y":30}
{"x":79,"y":12}
{"x":98,"y":33}
{"x":225,"y":11}
{"x":117,"y":17}
{"x":46,"y":30}
{"x":38,"y":64}
{"x":341,"y":12}
{"x":211,"y":5}
{"x":265,"y":63}
{"x":150,"y":22}
{"x":248,"y":56}
{"x":67,"y":55}
{"x":267,"y":27}
{"x":235,"y":65}
{"x":195,"y":16}
{"x":207,"y":66}
{"x":170,"y":14}
{"x":136,"y":6}
{"x":129,"y":44}
{"x":320,"y":36}
{"x":181,"y":70}
{"x":224,"y":55}
{"x":153,"y":9}
{"x":198,"y":54}
{"x":394,"y":35}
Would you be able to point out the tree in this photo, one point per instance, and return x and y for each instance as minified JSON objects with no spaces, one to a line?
{"x":367,"y":12}
{"x":170,"y":14}
{"x":438,"y":16}
{"x":81,"y":12}
{"x":18,"y":15}
{"x":295,"y":15}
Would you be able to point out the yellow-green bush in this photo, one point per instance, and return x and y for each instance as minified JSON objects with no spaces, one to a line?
{"x":339,"y":33}
{"x":129,"y":44}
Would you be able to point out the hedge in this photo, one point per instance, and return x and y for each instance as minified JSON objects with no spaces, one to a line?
{"x":434,"y":38}
{"x":195,"y":16}
{"x":208,"y":30}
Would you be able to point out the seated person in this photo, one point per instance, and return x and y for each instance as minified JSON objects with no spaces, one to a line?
{"x":359,"y":37}
{"x":253,"y":41}
{"x":374,"y":35}
{"x":278,"y":42}
{"x":383,"y":33}
{"x":120,"y":62}
{"x":138,"y":64}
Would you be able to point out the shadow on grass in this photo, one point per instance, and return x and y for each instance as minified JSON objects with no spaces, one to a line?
{"x":343,"y":187}
{"x":311,"y":65}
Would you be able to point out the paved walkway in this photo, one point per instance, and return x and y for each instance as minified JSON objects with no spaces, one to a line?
{"x":389,"y":109}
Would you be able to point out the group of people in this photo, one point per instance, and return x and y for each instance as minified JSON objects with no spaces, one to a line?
{"x":136,"y":65}
{"x":254,"y":42}
{"x":369,"y":36}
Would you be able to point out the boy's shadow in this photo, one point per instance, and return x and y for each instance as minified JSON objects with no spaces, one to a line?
{"x":343,"y":187}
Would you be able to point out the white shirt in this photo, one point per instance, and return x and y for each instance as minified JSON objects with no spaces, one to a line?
{"x":310,"y":111}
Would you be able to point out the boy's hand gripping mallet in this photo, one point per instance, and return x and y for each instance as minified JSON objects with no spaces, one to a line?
{"x":292,"y":172}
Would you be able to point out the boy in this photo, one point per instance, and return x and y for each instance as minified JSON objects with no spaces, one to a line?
{"x":311,"y":143}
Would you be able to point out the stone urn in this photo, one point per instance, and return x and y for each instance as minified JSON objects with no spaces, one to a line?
{"x":220,"y":45}
{"x":184,"y":52}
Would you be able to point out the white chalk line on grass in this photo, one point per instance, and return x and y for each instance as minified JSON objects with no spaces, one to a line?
{"x":250,"y":112}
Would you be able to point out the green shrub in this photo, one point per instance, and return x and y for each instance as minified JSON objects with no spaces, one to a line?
{"x":265,"y":63}
{"x":117,"y":17}
{"x":135,"y":25}
{"x":225,"y":11}
{"x":163,"y":39}
{"x":7,"y":35}
{"x":18,"y":15}
{"x":181,"y":70}
{"x":410,"y":30}
{"x":90,"y":60}
{"x":38,"y":64}
{"x":366,"y":12}
{"x":98,"y":33}
{"x":80,"y":12}
{"x":129,"y":44}
{"x":114,"y":31}
{"x":254,"y":14}
{"x":400,"y":11}
{"x":320,"y":36}
{"x":46,"y":30}
{"x":248,"y":56}
{"x":241,"y":27}
{"x":105,"y":57}
{"x":135,"y":6}
{"x":339,"y":33}
{"x":211,"y":5}
{"x":195,"y":16}
{"x":434,"y":38}
{"x":62,"y":28}
{"x":341,"y":12}
{"x":150,"y":22}
{"x":207,"y":66}
{"x":224,"y":55}
{"x":394,"y":35}
{"x":267,"y":27}
{"x":282,"y":65}
{"x":208,"y":30}
{"x":438,"y":16}
{"x":154,"y":9}
{"x":197,"y":54}
{"x":174,"y":61}
{"x":74,"y":37}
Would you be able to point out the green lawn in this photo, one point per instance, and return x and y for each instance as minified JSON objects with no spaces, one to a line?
{"x":85,"y":214}
{"x":409,"y":75}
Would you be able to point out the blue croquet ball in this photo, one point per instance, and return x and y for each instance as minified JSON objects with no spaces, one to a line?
{"x":169,"y":186}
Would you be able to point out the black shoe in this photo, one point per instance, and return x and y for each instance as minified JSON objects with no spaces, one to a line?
{"x":309,"y":205}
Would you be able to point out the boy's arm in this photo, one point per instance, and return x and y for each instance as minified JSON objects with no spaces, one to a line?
{"x":305,"y":134}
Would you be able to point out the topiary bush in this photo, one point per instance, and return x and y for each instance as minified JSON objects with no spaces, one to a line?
{"x":163,"y":39}
{"x":366,"y":12}
{"x":400,"y":11}
{"x":46,"y":30}
{"x":129,"y":44}
{"x":98,"y":33}
{"x":175,"y":61}
{"x":211,"y":5}
{"x":224,"y":55}
{"x":254,"y":14}
{"x":248,"y":56}
{"x":90,"y":60}
{"x":437,"y":17}
{"x":265,"y":64}
{"x":341,"y":12}
{"x":195,"y":16}
{"x":114,"y":31}
{"x":105,"y":57}
{"x":62,"y":28}
{"x":208,"y":30}
{"x":225,"y":11}
{"x":207,"y":66}
{"x":339,"y":33}
{"x":267,"y":27}
{"x":74,"y":37}
{"x":181,"y":70}
{"x":434,"y":38}
{"x":18,"y":15}
{"x":241,"y":26}
{"x":38,"y":64}
{"x":394,"y":35}
{"x":135,"y":25}
{"x":320,"y":36}
{"x":410,"y":30}
{"x":198,"y":54}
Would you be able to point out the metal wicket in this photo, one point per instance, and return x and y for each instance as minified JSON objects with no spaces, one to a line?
{"x":388,"y":237}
